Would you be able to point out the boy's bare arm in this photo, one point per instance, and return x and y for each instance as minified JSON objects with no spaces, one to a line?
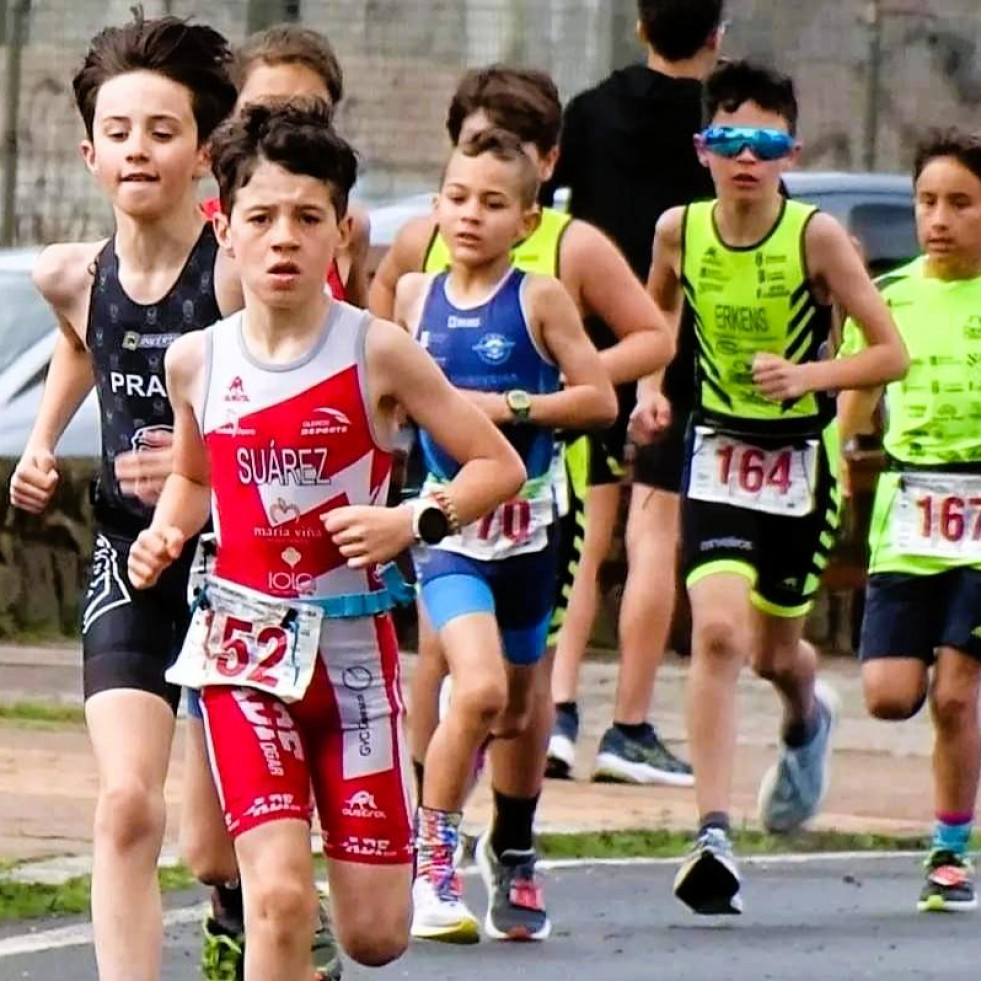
{"x":407,"y":254}
{"x":185,"y":502}
{"x":356,"y":286}
{"x":409,"y":296}
{"x":610,"y":290}
{"x":834,"y":263}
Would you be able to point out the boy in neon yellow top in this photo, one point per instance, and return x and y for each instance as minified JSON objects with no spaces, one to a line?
{"x":760,"y":499}
{"x":923,"y":606}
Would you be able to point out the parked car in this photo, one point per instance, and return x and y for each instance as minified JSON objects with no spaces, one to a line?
{"x":876,"y":208}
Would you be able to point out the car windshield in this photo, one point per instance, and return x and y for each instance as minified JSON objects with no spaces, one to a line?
{"x":24,"y":317}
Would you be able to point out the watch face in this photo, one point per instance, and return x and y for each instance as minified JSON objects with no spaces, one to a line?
{"x":518,"y":401}
{"x":433,"y":525}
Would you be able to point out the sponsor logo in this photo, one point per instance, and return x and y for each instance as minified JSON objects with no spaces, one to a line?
{"x":282,"y":511}
{"x":373,"y":847}
{"x":275,"y":732}
{"x":453,"y":322}
{"x":272,"y":804}
{"x":362,"y":805}
{"x":357,"y":678}
{"x":713,"y":543}
{"x":493,"y":349}
{"x":291,"y":581}
{"x":133,"y":341}
{"x":136,"y":385}
{"x":972,"y":329}
{"x":285,"y":466}
{"x":741,"y":320}
{"x":327,"y":422}
{"x":236,"y":390}
{"x":232,"y":426}
{"x":107,"y":589}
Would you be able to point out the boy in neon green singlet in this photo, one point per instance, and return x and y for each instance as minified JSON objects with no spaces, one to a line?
{"x":760,"y":497}
{"x":923,"y":606}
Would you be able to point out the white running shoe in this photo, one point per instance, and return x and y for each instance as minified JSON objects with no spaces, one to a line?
{"x":441,"y":914}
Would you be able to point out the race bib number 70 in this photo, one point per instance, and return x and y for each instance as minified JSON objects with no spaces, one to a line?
{"x":724,"y":470}
{"x":938,"y":516}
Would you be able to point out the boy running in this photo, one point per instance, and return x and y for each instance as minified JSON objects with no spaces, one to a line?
{"x":504,"y":337}
{"x":923,"y":608}
{"x":282,"y":62}
{"x":599,"y":280}
{"x":761,"y":497}
{"x":149,"y":94}
{"x":285,"y":417}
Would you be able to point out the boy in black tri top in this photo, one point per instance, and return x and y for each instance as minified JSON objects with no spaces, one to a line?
{"x":150,"y":94}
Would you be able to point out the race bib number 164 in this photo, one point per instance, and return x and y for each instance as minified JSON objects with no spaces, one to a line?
{"x":724,"y":470}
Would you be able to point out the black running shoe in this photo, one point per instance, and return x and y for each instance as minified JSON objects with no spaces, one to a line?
{"x":645,"y":760}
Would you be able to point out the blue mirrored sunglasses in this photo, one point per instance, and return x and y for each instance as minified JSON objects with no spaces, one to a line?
{"x":730,"y":141}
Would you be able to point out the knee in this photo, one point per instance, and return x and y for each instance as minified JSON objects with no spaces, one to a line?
{"x":130,"y":814}
{"x":208,"y":859}
{"x":480,"y":701}
{"x":773,"y":662}
{"x":893,"y":704}
{"x":953,"y":708}
{"x":374,"y":944}
{"x":278,"y":907}
{"x":719,"y":638}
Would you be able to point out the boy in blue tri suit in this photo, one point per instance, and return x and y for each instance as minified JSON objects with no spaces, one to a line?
{"x":506,"y":338}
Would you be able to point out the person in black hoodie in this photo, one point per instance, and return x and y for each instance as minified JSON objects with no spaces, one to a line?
{"x":627,"y":156}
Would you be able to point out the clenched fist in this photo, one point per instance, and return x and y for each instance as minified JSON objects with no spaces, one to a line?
{"x":367,"y":535}
{"x":34,"y":481}
{"x":152,"y":552}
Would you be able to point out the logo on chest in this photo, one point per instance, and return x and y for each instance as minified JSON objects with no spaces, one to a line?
{"x":493,"y":349}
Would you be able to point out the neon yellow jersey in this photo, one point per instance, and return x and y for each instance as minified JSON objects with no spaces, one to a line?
{"x":746,"y":301}
{"x":539,"y":253}
{"x":933,"y":415}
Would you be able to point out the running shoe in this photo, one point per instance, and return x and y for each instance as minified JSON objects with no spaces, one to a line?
{"x":644,"y":760}
{"x":439,"y":912}
{"x":515,"y":898}
{"x":793,"y":789}
{"x":562,"y":746}
{"x":223,"y":952}
{"x":949,"y":886}
{"x":326,"y":953}
{"x":708,"y":880}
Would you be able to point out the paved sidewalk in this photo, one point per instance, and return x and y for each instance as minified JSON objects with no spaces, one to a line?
{"x":880,"y":780}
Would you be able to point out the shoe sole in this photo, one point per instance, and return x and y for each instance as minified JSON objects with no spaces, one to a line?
{"x":830,"y":698}
{"x":937,"y":904}
{"x":709,"y":888}
{"x":516,"y":934}
{"x":611,"y":768}
{"x":463,"y":933}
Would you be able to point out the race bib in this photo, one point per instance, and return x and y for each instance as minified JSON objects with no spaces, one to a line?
{"x":725,"y":470}
{"x":245,"y":639}
{"x":938,"y":515}
{"x":515,"y":528}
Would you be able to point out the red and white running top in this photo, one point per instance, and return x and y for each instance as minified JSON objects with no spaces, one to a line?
{"x":287,"y":443}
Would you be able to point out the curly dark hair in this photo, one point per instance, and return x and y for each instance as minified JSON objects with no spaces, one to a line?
{"x":297,"y":135}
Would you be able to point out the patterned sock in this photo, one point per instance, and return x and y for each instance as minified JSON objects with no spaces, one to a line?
{"x":437,"y":834}
{"x":952,"y":833}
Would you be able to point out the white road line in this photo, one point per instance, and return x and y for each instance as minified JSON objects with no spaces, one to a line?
{"x":80,"y":935}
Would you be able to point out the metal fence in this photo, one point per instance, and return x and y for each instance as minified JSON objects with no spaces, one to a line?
{"x":872,"y":74}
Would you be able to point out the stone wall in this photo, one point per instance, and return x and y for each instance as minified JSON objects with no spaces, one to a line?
{"x":43,"y":560}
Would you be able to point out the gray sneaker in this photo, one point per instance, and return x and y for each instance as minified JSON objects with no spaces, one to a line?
{"x":645,"y":760}
{"x":793,"y":789}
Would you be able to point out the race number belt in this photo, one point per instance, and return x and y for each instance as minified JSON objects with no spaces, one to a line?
{"x":938,"y":515}
{"x":242,"y":637}
{"x":725,"y":470}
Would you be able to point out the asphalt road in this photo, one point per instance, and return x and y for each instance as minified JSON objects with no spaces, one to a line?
{"x":804,"y":921}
